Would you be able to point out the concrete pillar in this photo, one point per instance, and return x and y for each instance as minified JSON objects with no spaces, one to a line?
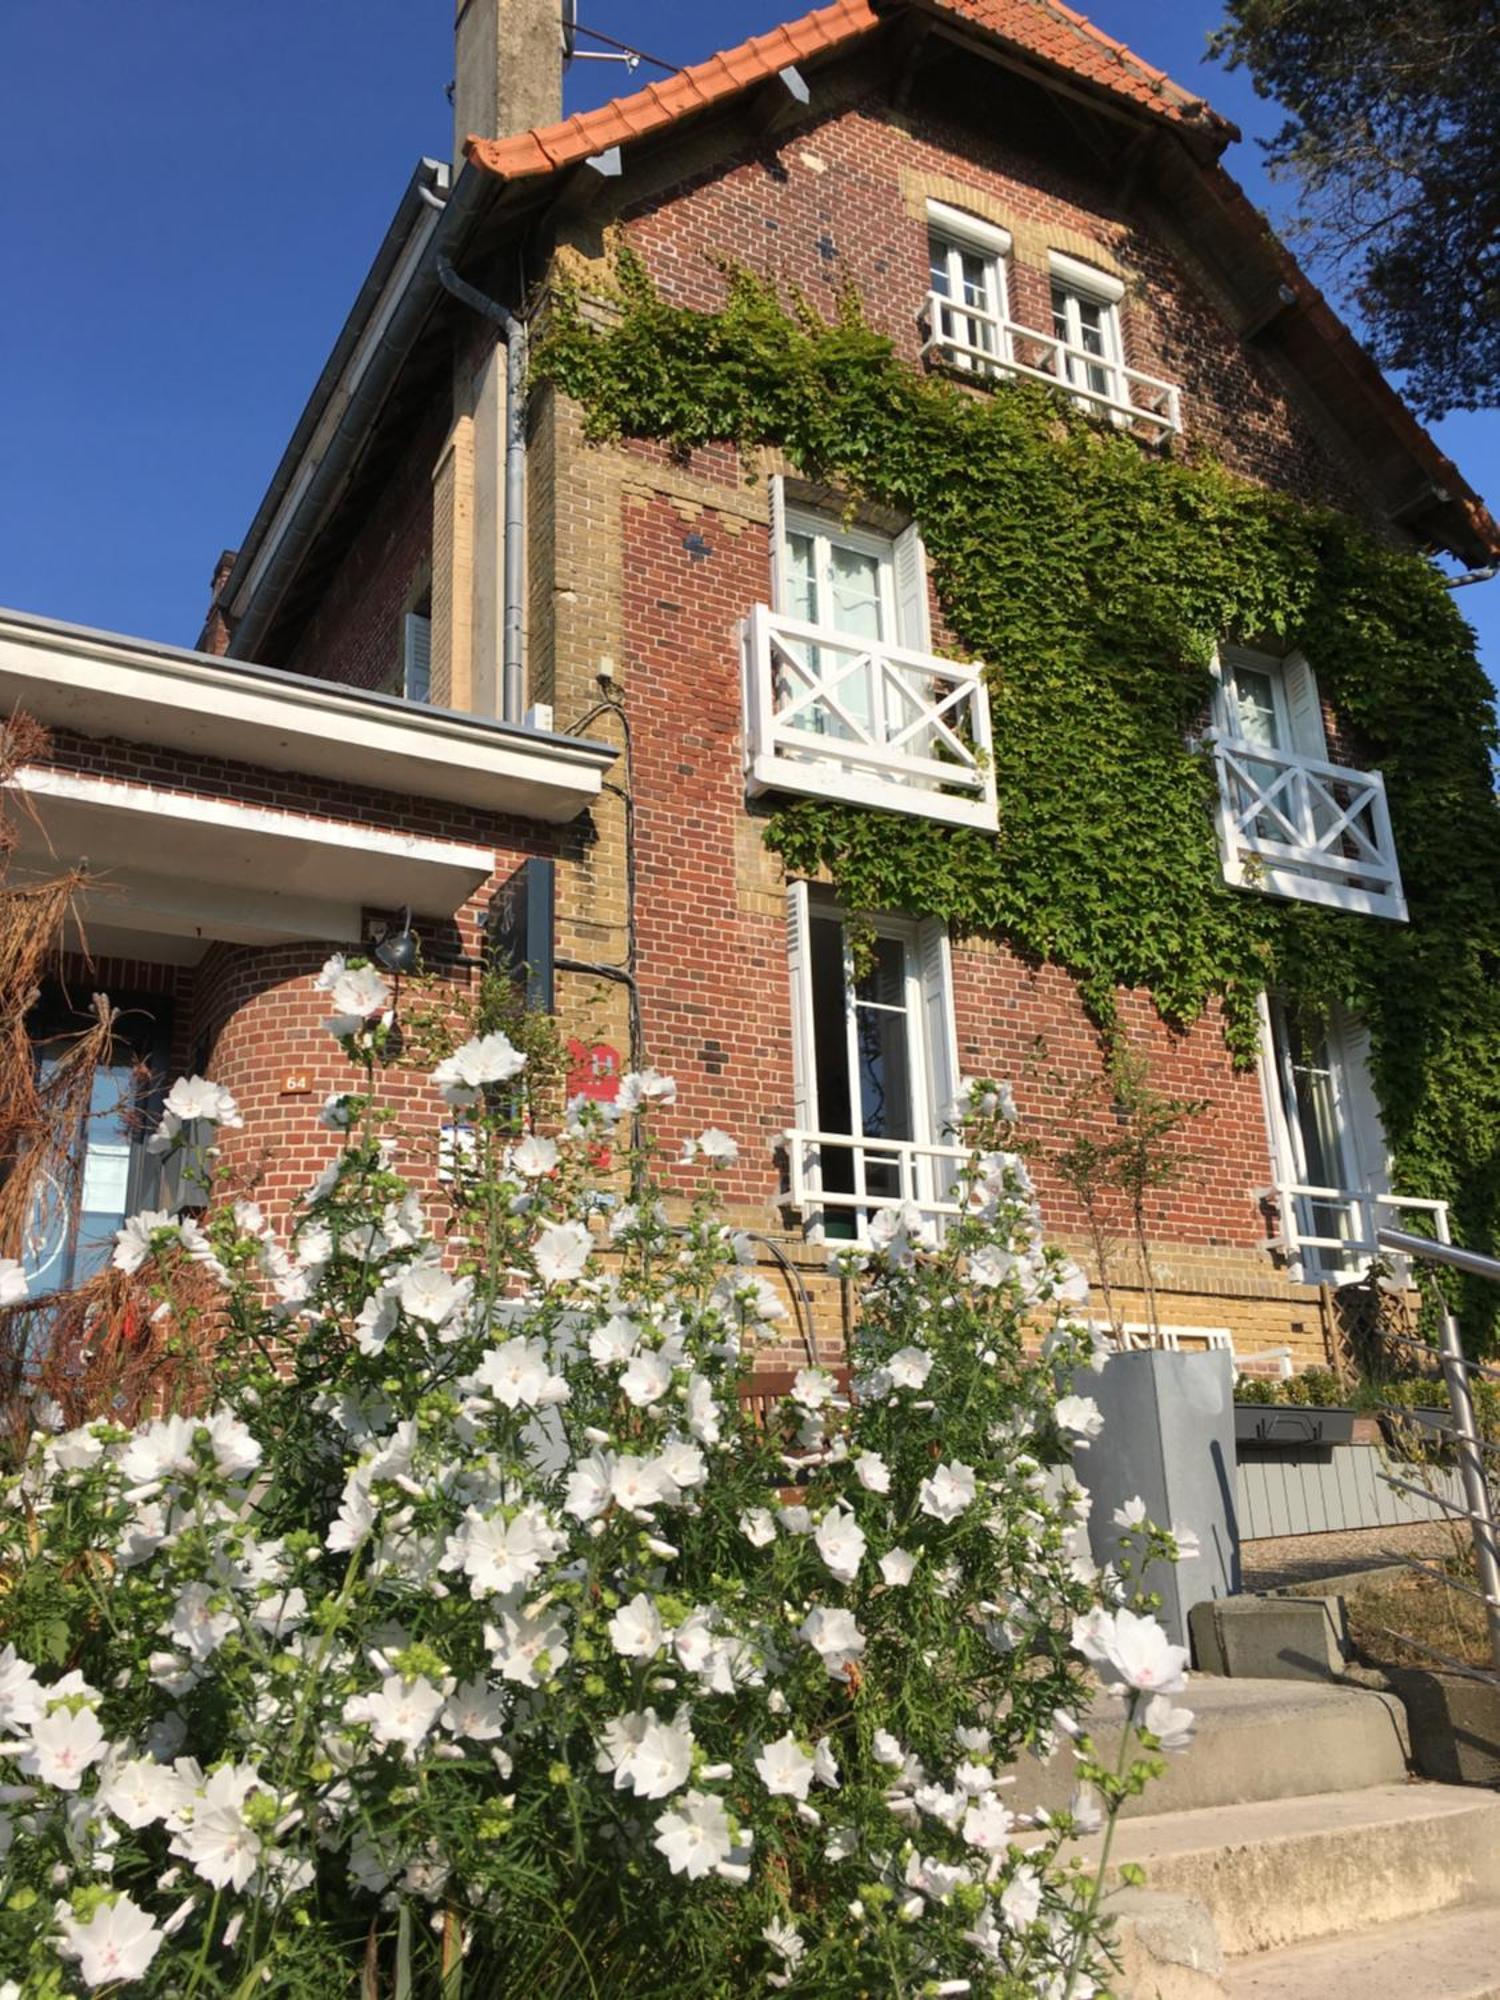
{"x":507,"y":72}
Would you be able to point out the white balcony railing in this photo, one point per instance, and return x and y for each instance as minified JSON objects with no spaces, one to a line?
{"x":982,"y":343}
{"x":837,"y":1173}
{"x":1331,"y":1231}
{"x":1296,"y":826}
{"x":875,"y":725}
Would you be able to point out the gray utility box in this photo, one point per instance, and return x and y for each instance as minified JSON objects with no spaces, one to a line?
{"x":1168,"y":1439}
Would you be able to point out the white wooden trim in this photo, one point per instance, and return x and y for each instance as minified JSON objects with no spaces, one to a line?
{"x":972,"y":231}
{"x":1085,"y":278}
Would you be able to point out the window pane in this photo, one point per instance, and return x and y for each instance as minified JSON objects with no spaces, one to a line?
{"x":884,"y":1076}
{"x":854,"y":578}
{"x":1255,"y":718}
{"x":801,"y":576}
{"x":884,"y":983}
{"x":937,"y":256}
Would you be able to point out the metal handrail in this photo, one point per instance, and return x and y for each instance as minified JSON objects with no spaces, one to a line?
{"x":1465,"y":1430}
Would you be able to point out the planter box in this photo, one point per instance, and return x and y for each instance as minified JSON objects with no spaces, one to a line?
{"x":1291,"y":1424}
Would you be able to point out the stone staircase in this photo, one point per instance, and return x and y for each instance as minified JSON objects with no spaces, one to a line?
{"x":1288,"y":1853}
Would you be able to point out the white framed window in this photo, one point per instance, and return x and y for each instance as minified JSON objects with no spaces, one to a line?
{"x":969,"y":293}
{"x":875,"y":1059}
{"x":1328,"y":1144}
{"x":1086,"y":320}
{"x":1270,"y":703}
{"x":416,"y":655}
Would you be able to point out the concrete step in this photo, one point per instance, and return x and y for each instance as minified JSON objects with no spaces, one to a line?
{"x":1278,"y":1871}
{"x":1255,"y":1740}
{"x":1454,"y":1955}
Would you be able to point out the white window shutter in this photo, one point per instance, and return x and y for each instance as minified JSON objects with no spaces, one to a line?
{"x":935,"y":956}
{"x":416,"y":657}
{"x":799,"y":968}
{"x":778,"y":546}
{"x":1304,"y":709}
{"x":909,"y":569}
{"x":1366,"y":1128}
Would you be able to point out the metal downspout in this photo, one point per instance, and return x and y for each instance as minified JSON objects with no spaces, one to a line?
{"x":513,"y":333}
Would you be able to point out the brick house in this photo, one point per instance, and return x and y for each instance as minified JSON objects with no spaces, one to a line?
{"x":458,"y":639}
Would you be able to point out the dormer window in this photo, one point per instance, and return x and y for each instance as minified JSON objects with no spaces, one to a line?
{"x":1086,"y":323}
{"x":971,"y":304}
{"x":1291,"y":821}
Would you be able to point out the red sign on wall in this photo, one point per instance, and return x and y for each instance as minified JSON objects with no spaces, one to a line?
{"x":593,"y":1070}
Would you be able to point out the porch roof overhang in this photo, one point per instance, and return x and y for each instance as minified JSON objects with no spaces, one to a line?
{"x":103,"y":685}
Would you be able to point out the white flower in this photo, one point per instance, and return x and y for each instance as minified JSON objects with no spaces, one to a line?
{"x":534,"y":1157}
{"x":486,"y":1059}
{"x":909,"y":1367}
{"x":12,"y":1282}
{"x":529,"y":1646}
{"x":117,"y":1943}
{"x":716,"y":1147}
{"x":758,"y":1527}
{"x":785,"y":1940}
{"x":1021,"y":1898}
{"x":589,"y":1486}
{"x":987,"y":1825}
{"x":201,"y":1621}
{"x":647,"y":1379}
{"x":61,"y":1746}
{"x":948,"y":1492}
{"x":520,"y":1372}
{"x":400,"y":1711}
{"x":785,"y":1768}
{"x":658,"y":1756}
{"x":356,"y":993}
{"x":813,"y":1387}
{"x":612,"y":1344}
{"x":22,"y":1700}
{"x":636,"y":1630}
{"x":499,"y":1555}
{"x":1131,"y":1515}
{"x":644,"y":1086}
{"x":376,"y":1321}
{"x":703,"y":1410}
{"x":638,"y":1484}
{"x":1079,"y":1416}
{"x":1131,"y":1650}
{"x":219,"y":1843}
{"x":834,"y":1636}
{"x":338,"y":1113}
{"x":428,"y":1293}
{"x":133,"y":1243}
{"x":475,"y":1710}
{"x":561,"y":1251}
{"x":695,"y":1839}
{"x":682,"y":1463}
{"x":1173,"y":1726}
{"x":872,"y":1472}
{"x":841,"y":1543}
{"x":193,"y":1097}
{"x":898,"y":1566}
{"x":886,"y":1750}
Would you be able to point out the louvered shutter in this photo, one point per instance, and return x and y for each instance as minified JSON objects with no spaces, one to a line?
{"x":799,"y":969}
{"x":778,"y":544}
{"x":935,"y":959}
{"x":1365,"y":1126}
{"x":909,"y":567}
{"x":416,"y":657}
{"x":1304,"y":710}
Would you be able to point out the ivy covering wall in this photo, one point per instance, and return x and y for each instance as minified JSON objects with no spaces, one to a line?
{"x":1095,"y":578}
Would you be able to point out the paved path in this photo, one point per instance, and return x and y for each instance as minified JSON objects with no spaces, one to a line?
{"x":1270,"y":1565}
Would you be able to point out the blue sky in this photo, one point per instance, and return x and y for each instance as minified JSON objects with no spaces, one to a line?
{"x":192,"y":194}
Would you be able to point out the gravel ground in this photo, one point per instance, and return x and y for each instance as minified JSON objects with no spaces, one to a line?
{"x":1270,"y":1565}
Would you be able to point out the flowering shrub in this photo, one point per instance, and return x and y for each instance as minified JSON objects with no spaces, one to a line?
{"x":478,"y":1639}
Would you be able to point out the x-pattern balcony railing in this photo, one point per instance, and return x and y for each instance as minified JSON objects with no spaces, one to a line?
{"x":873,"y":724}
{"x":982,"y":343}
{"x":1296,"y":826}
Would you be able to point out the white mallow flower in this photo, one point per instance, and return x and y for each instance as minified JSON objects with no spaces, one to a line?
{"x":639,"y":1087}
{"x":785,"y":1768}
{"x":133,"y":1243}
{"x":758,"y":1527}
{"x":1173,"y":1726}
{"x":872,"y":1472}
{"x":1021,"y":1898}
{"x":427,"y":1292}
{"x":987,"y":1825}
{"x":1131,"y":1650}
{"x":785,"y":1940}
{"x":355,"y":992}
{"x":813,"y":1387}
{"x":696,"y":1838}
{"x":898,"y":1566}
{"x":202,"y":1619}
{"x":636,"y":1630}
{"x":12,"y":1282}
{"x":193,"y":1097}
{"x":885,"y":1749}
{"x":1131,"y":1515}
{"x":22,"y":1700}
{"x":588,"y":1491}
{"x":646,"y":1379}
{"x":612,"y":1344}
{"x":499,"y":1555}
{"x":61,"y":1746}
{"x":703,"y":1410}
{"x":520,"y":1372}
{"x":682,"y":1463}
{"x":948,"y":1493}
{"x":834,"y":1636}
{"x":715,"y":1146}
{"x":653,"y":1758}
{"x":140,"y":1791}
{"x":561,"y":1251}
{"x":485,"y":1059}
{"x":376,"y":1321}
{"x":529,"y":1646}
{"x":639,"y":1484}
{"x":841,"y":1543}
{"x":399,"y":1711}
{"x":909,"y":1367}
{"x":475,"y":1710}
{"x":220,"y":1844}
{"x":115,"y":1945}
{"x":534,"y":1157}
{"x":1080,"y":1417}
